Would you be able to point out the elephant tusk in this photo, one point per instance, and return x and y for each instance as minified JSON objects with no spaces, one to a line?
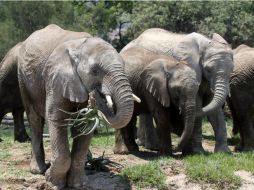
{"x":103,"y":116}
{"x":229,"y":94}
{"x":137,"y":99}
{"x":109,"y":101}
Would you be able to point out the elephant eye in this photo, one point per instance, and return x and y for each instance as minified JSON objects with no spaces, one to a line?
{"x":208,"y":70}
{"x":94,"y":71}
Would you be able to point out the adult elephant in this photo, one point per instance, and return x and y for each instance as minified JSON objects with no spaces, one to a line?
{"x":242,"y":91}
{"x":10,"y":98}
{"x":212,"y":60}
{"x":57,"y":69}
{"x":165,"y":86}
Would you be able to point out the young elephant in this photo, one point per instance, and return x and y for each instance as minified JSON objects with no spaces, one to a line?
{"x":57,"y":69}
{"x":10,"y":98}
{"x":164,"y":86}
{"x":212,"y":60}
{"x":242,"y":93}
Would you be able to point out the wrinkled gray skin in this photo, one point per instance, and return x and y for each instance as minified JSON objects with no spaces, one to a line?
{"x":57,"y":69}
{"x":212,"y":59}
{"x":10,"y":98}
{"x":146,"y":132}
{"x":164,"y":85}
{"x":242,"y":93}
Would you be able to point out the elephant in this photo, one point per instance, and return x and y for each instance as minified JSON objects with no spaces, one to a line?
{"x":165,"y":86}
{"x":212,"y":60}
{"x":146,"y":132}
{"x":57,"y":69}
{"x":242,"y":91}
{"x":10,"y":98}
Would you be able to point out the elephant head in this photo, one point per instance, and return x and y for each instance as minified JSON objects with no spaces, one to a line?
{"x":217,"y":65}
{"x":174,"y":84}
{"x":93,"y":65}
{"x":213,"y":60}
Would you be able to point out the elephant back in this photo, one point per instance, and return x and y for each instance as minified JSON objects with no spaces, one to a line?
{"x":243,"y":65}
{"x":40,"y":44}
{"x":157,"y":40}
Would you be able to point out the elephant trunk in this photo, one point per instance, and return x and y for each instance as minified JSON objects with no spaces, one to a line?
{"x":189,"y":116}
{"x":220,"y":93}
{"x":119,"y":89}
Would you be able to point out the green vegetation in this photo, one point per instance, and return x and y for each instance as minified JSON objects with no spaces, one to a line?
{"x":148,"y":175}
{"x":11,"y":155}
{"x":120,"y":21}
{"x":104,"y":138}
{"x":218,"y":168}
{"x":215,"y":168}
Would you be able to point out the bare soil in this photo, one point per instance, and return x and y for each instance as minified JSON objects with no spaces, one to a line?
{"x":176,"y":176}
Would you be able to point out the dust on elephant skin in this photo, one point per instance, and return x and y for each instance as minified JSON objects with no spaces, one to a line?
{"x":57,"y":69}
{"x":10,"y":97}
{"x":165,"y":86}
{"x":242,"y":91}
{"x":212,"y":60}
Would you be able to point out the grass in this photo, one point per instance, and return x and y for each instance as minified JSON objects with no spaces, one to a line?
{"x":105,"y":137}
{"x":147,"y":175}
{"x":11,"y":155}
{"x":217,"y":169}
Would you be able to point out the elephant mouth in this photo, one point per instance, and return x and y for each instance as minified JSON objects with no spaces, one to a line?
{"x":104,"y":103}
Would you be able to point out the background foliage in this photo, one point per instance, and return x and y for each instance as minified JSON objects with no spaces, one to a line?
{"x":120,"y":21}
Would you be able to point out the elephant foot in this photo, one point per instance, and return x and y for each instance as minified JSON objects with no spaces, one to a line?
{"x":23,"y":137}
{"x":238,"y":148}
{"x":247,"y":149}
{"x":140,"y":142}
{"x":163,"y":151}
{"x":57,"y":182}
{"x":222,"y":148}
{"x":123,"y":149}
{"x":198,"y":149}
{"x":38,"y":168}
{"x":120,"y":149}
{"x":151,"y":146}
{"x":77,"y":179}
{"x":54,"y":187}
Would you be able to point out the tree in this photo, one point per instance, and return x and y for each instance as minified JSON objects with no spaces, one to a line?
{"x":19,"y":19}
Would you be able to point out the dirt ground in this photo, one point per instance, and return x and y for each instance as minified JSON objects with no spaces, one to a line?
{"x":176,"y":177}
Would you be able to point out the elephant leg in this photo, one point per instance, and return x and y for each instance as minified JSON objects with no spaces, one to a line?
{"x":61,"y":156}
{"x":141,"y":130}
{"x":147,"y":134}
{"x":76,"y":173}
{"x":125,"y":138}
{"x":20,"y":133}
{"x":1,"y":118}
{"x":195,"y":146}
{"x":163,"y":127}
{"x":37,"y":164}
{"x":151,"y":137}
{"x":247,"y":134}
{"x":219,"y":126}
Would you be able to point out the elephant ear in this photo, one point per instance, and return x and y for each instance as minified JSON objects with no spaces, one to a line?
{"x":155,"y":78}
{"x":60,"y":72}
{"x":218,"y":38}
